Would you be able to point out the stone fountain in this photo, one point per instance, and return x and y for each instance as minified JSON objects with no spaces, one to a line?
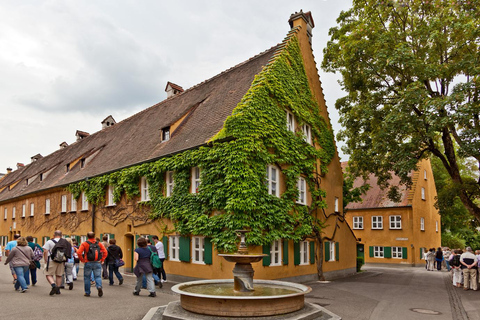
{"x":243,"y":296}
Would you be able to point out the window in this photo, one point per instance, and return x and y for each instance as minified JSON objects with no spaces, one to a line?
{"x":82,"y":163}
{"x":423,"y":193}
{"x":47,"y":206}
{"x":110,"y":201}
{"x":166,"y":134}
{"x":304,"y":252}
{"x":307,"y":133}
{"x":41,"y":176}
{"x":272,"y":180}
{"x":395,"y":222}
{"x":24,"y":209}
{"x":378,"y":252}
{"x":302,"y":186}
{"x":174,"y":248}
{"x":144,"y":195}
{"x":64,"y":203}
{"x":32,"y":209}
{"x":425,"y":174}
{"x":198,"y":249}
{"x":195,"y":179}
{"x":436,"y":226}
{"x":290,"y":122}
{"x":332,"y":251}
{"x":5,"y":212}
{"x":422,"y":224}
{"x":84,"y":202}
{"x":336,"y":205}
{"x":357,"y":222}
{"x":83,"y":239}
{"x":68,"y":167}
{"x":397,"y":252}
{"x":13,"y":212}
{"x":73,"y":205}
{"x":169,"y":178}
{"x":377,"y":222}
{"x":276,"y":253}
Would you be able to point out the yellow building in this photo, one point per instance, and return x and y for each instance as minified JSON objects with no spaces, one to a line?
{"x":172,"y":170}
{"x":397,"y":233}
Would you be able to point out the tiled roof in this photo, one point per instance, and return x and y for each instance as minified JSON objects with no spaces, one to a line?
{"x":137,"y":139}
{"x":375,"y":196}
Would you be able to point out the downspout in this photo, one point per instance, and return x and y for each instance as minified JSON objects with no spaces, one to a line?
{"x":93,"y":218}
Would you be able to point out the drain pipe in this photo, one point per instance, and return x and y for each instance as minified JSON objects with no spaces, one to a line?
{"x":93,"y":218}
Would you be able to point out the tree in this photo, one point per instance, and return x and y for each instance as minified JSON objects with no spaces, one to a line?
{"x":411,"y":73}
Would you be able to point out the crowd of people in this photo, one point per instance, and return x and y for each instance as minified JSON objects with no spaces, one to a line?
{"x":464,"y":265}
{"x":62,"y":257}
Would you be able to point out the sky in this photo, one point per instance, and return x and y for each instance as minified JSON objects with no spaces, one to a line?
{"x":66,"y":65}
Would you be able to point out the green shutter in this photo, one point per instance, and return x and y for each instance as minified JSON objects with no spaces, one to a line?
{"x":404,"y":252}
{"x":207,"y":254}
{"x":78,"y":239}
{"x":312,"y":252}
{"x":101,"y":237}
{"x":421,"y":253}
{"x":387,"y":252}
{"x":326,"y":251}
{"x":267,"y":259}
{"x":285,"y":252}
{"x":370,"y":249}
{"x":337,"y":251}
{"x":296,"y":253}
{"x":112,"y":236}
{"x":165,"y":246}
{"x":150,"y":237}
{"x":184,"y":254}
{"x":35,"y":240}
{"x":66,"y":236}
{"x":136,"y":239}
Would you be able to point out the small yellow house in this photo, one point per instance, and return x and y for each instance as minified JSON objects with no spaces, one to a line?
{"x":396,"y":233}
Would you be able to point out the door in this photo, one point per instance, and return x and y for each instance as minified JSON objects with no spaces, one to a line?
{"x":360,"y":251}
{"x":128,"y":255}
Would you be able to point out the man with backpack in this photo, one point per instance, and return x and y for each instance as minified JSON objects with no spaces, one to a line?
{"x":37,"y":257}
{"x":55,"y":252}
{"x":92,"y":253}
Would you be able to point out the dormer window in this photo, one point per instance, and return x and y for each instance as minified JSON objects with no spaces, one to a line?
{"x":290,"y":122}
{"x":68,"y":167}
{"x":41,"y":176}
{"x":82,"y":163}
{"x":165,"y":134}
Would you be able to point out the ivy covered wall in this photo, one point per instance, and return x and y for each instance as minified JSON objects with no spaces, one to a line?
{"x":233,"y":194}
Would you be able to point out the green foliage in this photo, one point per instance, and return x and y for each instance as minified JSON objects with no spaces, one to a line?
{"x":411,"y":70}
{"x":232,"y":194}
{"x":350,"y":192}
{"x":360,"y":263}
{"x":453,"y":241}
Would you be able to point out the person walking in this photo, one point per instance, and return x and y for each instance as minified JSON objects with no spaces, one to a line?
{"x":446,"y":257}
{"x":430,"y":259}
{"x":114,"y":255}
{"x":457,"y":278}
{"x":161,"y":254}
{"x":92,"y":253}
{"x":56,"y":252}
{"x":143,"y":267}
{"x":439,"y":258}
{"x":76,"y":261}
{"x":34,"y":246}
{"x":10,"y":245}
{"x":469,"y":268}
{"x":104,"y":264}
{"x":19,"y":258}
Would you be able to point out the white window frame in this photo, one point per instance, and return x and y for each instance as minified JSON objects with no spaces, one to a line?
{"x":169,"y":183}
{"x":436,"y":226}
{"x":84,"y":202}
{"x":110,"y":201}
{"x":82,"y":239}
{"x":425,"y":174}
{"x":24,"y":209}
{"x":73,"y":205}
{"x":395,"y":222}
{"x":174,"y":248}
{"x":144,"y":194}
{"x":377,"y":222}
{"x":423,"y":193}
{"x":378,"y":252}
{"x":32,"y":209}
{"x":397,"y":253}
{"x":273,"y":180}
{"x":5,"y":213}
{"x":14,"y":211}
{"x":337,"y":204}
{"x":195,"y":179}
{"x":276,"y":253}
{"x":198,"y":250}
{"x":307,"y":133}
{"x":290,"y":122}
{"x":304,"y":252}
{"x":47,"y":206}
{"x":422,"y":224}
{"x":64,"y":203}
{"x":302,"y":191}
{"x":358,"y":222}
{"x":332,"y":251}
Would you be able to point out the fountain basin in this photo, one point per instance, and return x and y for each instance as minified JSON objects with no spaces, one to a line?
{"x":243,"y":258}
{"x":210,"y":297}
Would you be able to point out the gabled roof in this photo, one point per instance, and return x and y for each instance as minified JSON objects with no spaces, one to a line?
{"x":137,"y":139}
{"x":375,"y":196}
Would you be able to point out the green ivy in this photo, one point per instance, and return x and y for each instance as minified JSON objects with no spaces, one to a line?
{"x":233,"y":194}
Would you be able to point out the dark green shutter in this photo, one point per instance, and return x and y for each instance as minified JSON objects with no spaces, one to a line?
{"x":207,"y":256}
{"x":370,"y":249}
{"x":296,"y":253}
{"x":387,"y":252}
{"x":45,"y":239}
{"x":285,"y":252}
{"x":421,"y":253}
{"x":404,"y":252}
{"x":184,"y":254}
{"x":112,"y":236}
{"x":337,"y":251}
{"x":326,"y":250}
{"x":165,"y":246}
{"x":312,"y":252}
{"x":78,"y":239}
{"x":136,"y":239}
{"x":66,"y":236}
{"x":267,"y":259}
{"x":101,"y":237}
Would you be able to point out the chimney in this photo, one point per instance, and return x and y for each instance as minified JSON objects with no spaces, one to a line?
{"x":81,"y":135}
{"x":36,"y":157}
{"x":108,"y":122}
{"x":172,"y":89}
{"x":63,"y":145}
{"x":9,"y":170}
{"x":303,"y":18}
{"x":20,"y":165}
